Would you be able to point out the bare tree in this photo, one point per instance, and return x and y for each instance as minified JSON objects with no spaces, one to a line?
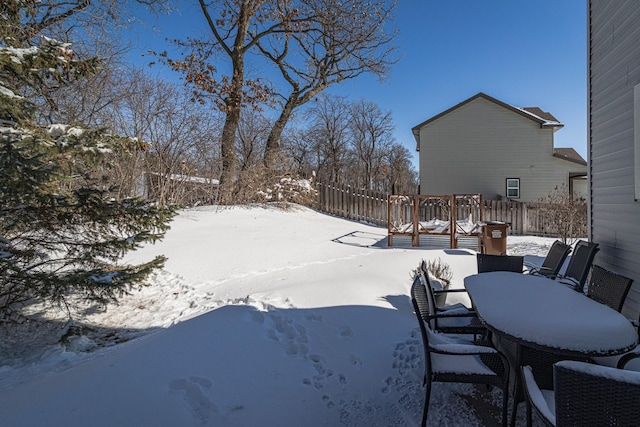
{"x":314,"y":43}
{"x":372,"y":137}
{"x":253,"y":129}
{"x":401,"y":177}
{"x":162,"y":114}
{"x":329,"y":136}
{"x":564,"y":213}
{"x":297,"y":144}
{"x":235,"y":29}
{"x":351,"y":143}
{"x":252,"y":132}
{"x":340,"y":41}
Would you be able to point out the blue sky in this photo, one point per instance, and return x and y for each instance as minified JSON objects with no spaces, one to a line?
{"x":524,"y":53}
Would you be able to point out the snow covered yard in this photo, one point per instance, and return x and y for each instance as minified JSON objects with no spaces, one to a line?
{"x":262,"y":316}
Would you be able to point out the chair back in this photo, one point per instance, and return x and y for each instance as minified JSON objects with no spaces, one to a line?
{"x":487,"y":263}
{"x":419,"y":299}
{"x":423,"y":267}
{"x":430,"y":308}
{"x":555,"y":259}
{"x":608,"y":287}
{"x":587,"y":394}
{"x":580,"y":263}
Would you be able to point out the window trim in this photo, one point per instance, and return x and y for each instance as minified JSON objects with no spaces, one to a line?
{"x":512,"y":188}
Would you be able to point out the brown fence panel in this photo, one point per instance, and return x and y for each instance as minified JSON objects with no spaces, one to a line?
{"x":509,"y":212}
{"x":523,"y":218}
{"x":351,"y":203}
{"x":372,"y":206}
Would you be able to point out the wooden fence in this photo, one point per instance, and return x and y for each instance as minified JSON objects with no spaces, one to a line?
{"x":352,"y":203}
{"x":372,"y":206}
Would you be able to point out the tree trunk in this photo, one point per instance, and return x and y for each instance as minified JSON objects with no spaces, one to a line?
{"x":234,"y":100}
{"x":229,"y":155}
{"x":273,"y":141}
{"x":232,"y":119}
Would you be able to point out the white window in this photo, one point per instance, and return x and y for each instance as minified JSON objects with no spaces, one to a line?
{"x":513,"y":188}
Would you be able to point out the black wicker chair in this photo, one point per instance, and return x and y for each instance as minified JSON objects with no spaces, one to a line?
{"x":487,"y":263}
{"x":453,"y":320}
{"x":540,"y":361}
{"x":553,"y":261}
{"x":441,"y":294}
{"x":629,"y":361}
{"x":448,"y":359}
{"x":535,"y":395}
{"x":608,"y":288}
{"x":579,"y":265}
{"x":586,"y":395}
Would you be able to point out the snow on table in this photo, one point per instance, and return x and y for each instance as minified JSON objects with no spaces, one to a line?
{"x":543,"y":312}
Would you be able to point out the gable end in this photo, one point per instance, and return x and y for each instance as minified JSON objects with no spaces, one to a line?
{"x":544,"y":119}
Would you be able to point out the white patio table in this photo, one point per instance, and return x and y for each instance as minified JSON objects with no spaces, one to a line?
{"x":541,"y":313}
{"x":546,"y":320}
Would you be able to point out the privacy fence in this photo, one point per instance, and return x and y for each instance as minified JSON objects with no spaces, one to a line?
{"x":373,"y":207}
{"x":352,"y":203}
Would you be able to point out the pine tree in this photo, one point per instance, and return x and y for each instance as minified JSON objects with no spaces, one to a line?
{"x":62,"y":232}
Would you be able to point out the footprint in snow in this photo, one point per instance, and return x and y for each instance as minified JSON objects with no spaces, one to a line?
{"x":346,"y":332}
{"x":193,"y":390}
{"x":355,"y":360}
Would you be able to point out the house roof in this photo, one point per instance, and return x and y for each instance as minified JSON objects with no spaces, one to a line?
{"x":536,"y":111}
{"x":545,"y":119}
{"x":570,"y":155}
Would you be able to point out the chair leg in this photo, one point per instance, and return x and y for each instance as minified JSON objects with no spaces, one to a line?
{"x":513,"y":412}
{"x":505,"y":405}
{"x":518,"y":396}
{"x":426,"y":405}
{"x":529,"y":420}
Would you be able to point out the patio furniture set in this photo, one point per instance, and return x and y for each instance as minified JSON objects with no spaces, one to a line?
{"x":539,"y":336}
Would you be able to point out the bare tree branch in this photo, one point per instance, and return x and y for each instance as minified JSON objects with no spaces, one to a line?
{"x":236,"y":27}
{"x":342,"y":41}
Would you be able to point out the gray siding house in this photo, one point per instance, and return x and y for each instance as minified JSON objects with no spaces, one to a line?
{"x":614,"y":138}
{"x":483,"y":145}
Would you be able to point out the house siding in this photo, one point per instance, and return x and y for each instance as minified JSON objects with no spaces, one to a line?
{"x":614,"y":70}
{"x":476,"y":147}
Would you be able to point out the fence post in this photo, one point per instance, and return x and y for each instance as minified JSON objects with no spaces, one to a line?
{"x":453,"y":216}
{"x":415,"y":239}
